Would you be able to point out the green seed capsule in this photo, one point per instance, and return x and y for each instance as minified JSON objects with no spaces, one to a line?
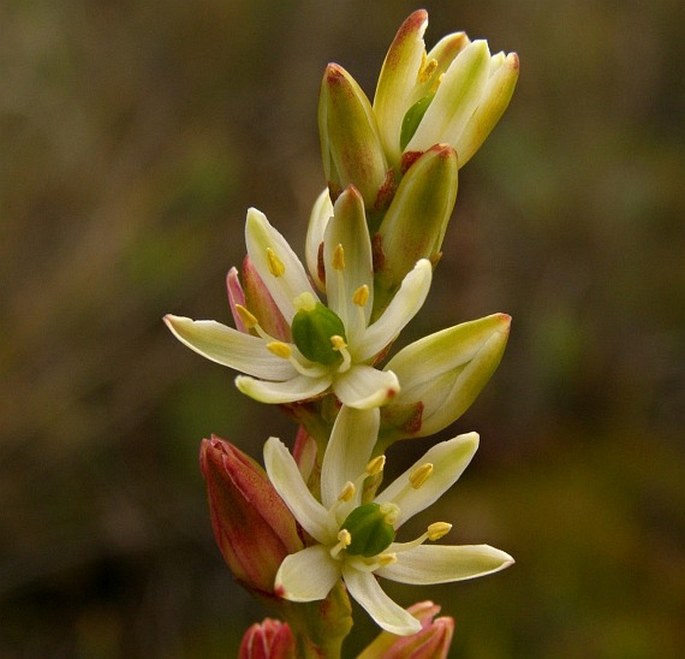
{"x":370,"y":531}
{"x":312,"y":330}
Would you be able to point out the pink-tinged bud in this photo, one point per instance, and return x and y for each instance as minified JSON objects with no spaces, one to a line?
{"x":236,"y":295}
{"x":270,"y":639}
{"x":431,"y":642}
{"x":262,"y":305}
{"x":254,"y":529}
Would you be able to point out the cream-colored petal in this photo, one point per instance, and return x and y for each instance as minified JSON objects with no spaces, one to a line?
{"x":365,"y":387}
{"x":285,"y":476}
{"x":229,"y":347}
{"x":307,"y":575}
{"x":403,"y":307}
{"x":387,"y":614}
{"x":285,"y":286}
{"x":348,"y":229}
{"x":449,"y":460}
{"x":299,"y":387}
{"x":433,"y":564}
{"x":348,"y":451}
{"x":322,"y":211}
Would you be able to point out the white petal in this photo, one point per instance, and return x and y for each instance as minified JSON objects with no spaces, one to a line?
{"x":433,"y":564}
{"x":389,"y":615}
{"x":260,"y":236}
{"x":449,"y":460}
{"x":365,"y":387}
{"x":403,"y":307}
{"x":307,"y":575}
{"x":348,"y":228}
{"x":348,"y":451}
{"x":299,"y":387}
{"x":229,"y":347}
{"x":322,"y":212}
{"x":285,"y":476}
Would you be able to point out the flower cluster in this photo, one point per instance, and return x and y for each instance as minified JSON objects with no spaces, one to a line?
{"x":316,"y":338}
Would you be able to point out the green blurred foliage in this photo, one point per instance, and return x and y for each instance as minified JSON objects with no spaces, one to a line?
{"x":134,"y":136}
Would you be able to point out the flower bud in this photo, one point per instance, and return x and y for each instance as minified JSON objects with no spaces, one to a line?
{"x":270,"y":639}
{"x":350,"y":145}
{"x":442,"y":374}
{"x":455,"y":93}
{"x":431,"y":642}
{"x":414,"y":225}
{"x":252,"y":526}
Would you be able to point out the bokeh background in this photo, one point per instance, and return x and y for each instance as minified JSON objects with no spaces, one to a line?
{"x":135,"y":135}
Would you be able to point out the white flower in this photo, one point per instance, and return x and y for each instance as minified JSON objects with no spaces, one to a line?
{"x":356,"y":541}
{"x":331,"y":347}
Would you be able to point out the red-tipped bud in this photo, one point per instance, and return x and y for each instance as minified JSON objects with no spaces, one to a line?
{"x":271,"y":639}
{"x":254,"y":529}
{"x":431,"y":642}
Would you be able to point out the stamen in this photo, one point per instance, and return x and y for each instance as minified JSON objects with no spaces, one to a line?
{"x":338,"y":261}
{"x":276,"y":266}
{"x":375,"y":466}
{"x":438,"y":530}
{"x":339,"y":344}
{"x":420,"y":475}
{"x":347,"y":492}
{"x":249,"y":320}
{"x":386,"y":559}
{"x":427,"y":69}
{"x":390,"y":512}
{"x":361,"y":296}
{"x":280,"y":349}
{"x":344,"y":540}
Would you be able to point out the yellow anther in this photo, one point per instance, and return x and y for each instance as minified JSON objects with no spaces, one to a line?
{"x":427,"y":69}
{"x":339,"y":257}
{"x":390,"y":512}
{"x":347,"y":492}
{"x":437,"y":530}
{"x":420,"y":475}
{"x":344,"y":538}
{"x":361,"y":296}
{"x":386,"y":559}
{"x":338,"y":342}
{"x":375,"y":466}
{"x":276,"y":266}
{"x":305,"y":302}
{"x":280,"y":349}
{"x":246,"y":317}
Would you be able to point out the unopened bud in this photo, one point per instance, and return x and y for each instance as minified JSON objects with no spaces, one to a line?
{"x":270,"y":639}
{"x":252,"y":526}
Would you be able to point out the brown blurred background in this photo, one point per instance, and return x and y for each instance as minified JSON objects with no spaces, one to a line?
{"x":135,"y":135}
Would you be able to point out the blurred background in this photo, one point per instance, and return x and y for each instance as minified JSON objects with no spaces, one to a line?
{"x":134,"y":137}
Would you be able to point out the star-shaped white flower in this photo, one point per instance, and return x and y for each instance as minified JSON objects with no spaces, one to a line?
{"x":332,"y":347}
{"x":355,"y":541}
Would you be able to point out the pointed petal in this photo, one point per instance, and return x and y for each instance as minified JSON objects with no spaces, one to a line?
{"x":307,"y":575}
{"x":433,"y":564}
{"x":236,"y":295}
{"x":348,"y":451}
{"x":284,"y":287}
{"x":403,"y":307}
{"x":449,"y":460}
{"x":457,"y":97}
{"x":348,"y":228}
{"x":389,"y":615}
{"x":229,"y":347}
{"x":299,"y":387}
{"x":322,"y":211}
{"x":287,"y":480}
{"x":397,"y":79}
{"x":365,"y":387}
